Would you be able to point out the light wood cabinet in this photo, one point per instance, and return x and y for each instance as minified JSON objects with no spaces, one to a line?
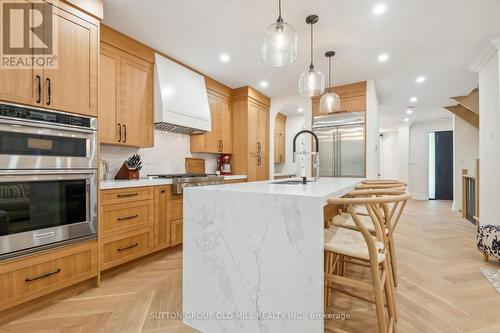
{"x":162,"y":216}
{"x":280,"y":139}
{"x":220,"y":138}
{"x":352,"y":98}
{"x":72,"y":85}
{"x":251,"y":134}
{"x":120,"y":248}
{"x":25,"y":278}
{"x":125,"y":92}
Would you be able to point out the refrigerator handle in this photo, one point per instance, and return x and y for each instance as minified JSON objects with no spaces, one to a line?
{"x":340,"y":154}
{"x":334,"y":158}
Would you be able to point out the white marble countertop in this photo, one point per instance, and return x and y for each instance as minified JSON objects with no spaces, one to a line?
{"x":112,"y":184}
{"x":235,"y":177}
{"x":323,"y":188}
{"x":285,"y":174}
{"x":243,"y":242}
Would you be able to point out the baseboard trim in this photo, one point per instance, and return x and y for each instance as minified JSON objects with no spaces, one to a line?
{"x":419,"y":196}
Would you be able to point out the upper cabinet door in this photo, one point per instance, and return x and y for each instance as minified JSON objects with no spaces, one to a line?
{"x":263,"y":130}
{"x":21,"y":84}
{"x":226,"y":127}
{"x":136,"y":112}
{"x":253,"y":131}
{"x":109,"y":86}
{"x":72,"y":86}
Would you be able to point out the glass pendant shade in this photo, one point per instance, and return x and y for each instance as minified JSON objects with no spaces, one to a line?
{"x":280,"y":45}
{"x":311,"y":83}
{"x":329,"y":102}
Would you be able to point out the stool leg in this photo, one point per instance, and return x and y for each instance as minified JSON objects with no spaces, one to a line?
{"x":390,"y":295}
{"x":392,"y":254}
{"x":379,"y":298}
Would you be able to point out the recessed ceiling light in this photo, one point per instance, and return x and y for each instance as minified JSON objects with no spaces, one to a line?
{"x":407,"y":120}
{"x":409,"y":111}
{"x":379,"y":9}
{"x":420,"y":79}
{"x":264,"y":84}
{"x":413,"y":100}
{"x":224,"y":57}
{"x":383,"y":57}
{"x":300,"y":110}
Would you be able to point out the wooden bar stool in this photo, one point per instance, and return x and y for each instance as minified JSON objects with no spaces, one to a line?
{"x":391,"y":219}
{"x":364,"y":248}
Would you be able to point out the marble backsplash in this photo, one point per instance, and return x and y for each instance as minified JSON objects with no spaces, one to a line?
{"x":167,"y":156}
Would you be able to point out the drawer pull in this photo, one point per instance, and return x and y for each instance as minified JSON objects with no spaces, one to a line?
{"x":127,"y":217}
{"x":127,"y":247}
{"x":42,"y":276}
{"x":127,"y":195}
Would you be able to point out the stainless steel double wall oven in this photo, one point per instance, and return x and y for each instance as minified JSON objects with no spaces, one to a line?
{"x":48,"y":179}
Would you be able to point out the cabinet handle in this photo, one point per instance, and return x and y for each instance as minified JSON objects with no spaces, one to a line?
{"x":131,"y":217}
{"x":221,"y":146}
{"x":124,"y":133}
{"x":39,"y":88}
{"x":49,"y":91}
{"x":42,"y":276}
{"x":259,"y":148}
{"x":162,"y":191}
{"x":119,"y":132}
{"x":258,"y":160}
{"x":127,"y":195}
{"x":127,"y":247}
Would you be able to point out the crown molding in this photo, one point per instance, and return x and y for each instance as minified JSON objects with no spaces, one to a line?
{"x":484,"y":54}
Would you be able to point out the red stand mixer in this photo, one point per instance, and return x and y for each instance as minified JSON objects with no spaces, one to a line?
{"x":224,"y":167}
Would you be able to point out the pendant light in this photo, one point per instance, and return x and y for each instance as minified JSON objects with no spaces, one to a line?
{"x":311,"y":82}
{"x":280,"y":43}
{"x":330,"y":102}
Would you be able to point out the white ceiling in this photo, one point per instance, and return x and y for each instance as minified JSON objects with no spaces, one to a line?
{"x":434,"y":38}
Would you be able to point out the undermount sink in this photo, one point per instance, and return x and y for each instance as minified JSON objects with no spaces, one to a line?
{"x":290,"y":182}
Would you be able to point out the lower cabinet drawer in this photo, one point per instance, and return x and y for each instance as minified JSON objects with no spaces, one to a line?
{"x":127,"y":215}
{"x":176,"y":209}
{"x":33,"y":276}
{"x":128,"y":247}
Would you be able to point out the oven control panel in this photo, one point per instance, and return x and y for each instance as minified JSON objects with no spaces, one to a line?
{"x":19,"y":112}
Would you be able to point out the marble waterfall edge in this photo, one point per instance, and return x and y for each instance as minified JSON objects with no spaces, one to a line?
{"x":253,"y":262}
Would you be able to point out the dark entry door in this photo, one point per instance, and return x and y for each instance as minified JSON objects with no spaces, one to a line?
{"x":444,"y":165}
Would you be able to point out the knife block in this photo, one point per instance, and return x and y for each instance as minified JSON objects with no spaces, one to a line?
{"x":126,"y":173}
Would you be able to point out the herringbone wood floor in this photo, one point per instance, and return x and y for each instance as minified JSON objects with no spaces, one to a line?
{"x":441,"y":288}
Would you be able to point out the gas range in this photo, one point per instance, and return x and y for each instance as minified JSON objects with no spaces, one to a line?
{"x":181,"y":180}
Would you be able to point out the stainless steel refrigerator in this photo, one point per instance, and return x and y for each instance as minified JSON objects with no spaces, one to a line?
{"x":341,"y":144}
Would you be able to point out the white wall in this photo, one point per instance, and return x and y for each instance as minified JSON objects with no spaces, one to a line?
{"x":284,"y":104}
{"x":489,"y":139}
{"x":372,"y":132}
{"x":465,"y":152}
{"x":404,"y":153}
{"x":389,"y":155}
{"x":419,"y":154}
{"x":294,"y":124}
{"x":167,"y":156}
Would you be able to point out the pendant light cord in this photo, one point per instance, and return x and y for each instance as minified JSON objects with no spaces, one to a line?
{"x":329,"y":73}
{"x":311,"y":67}
{"x":280,"y":19}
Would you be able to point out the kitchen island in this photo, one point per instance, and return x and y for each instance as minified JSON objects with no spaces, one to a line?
{"x":253,"y":255}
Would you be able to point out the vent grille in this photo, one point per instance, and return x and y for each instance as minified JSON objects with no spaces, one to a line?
{"x":176,"y":129}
